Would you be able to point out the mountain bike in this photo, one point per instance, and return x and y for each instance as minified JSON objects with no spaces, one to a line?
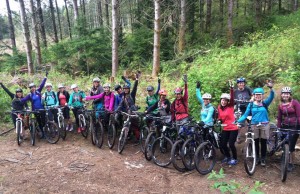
{"x":51,"y":130}
{"x":20,"y":123}
{"x":61,"y":122}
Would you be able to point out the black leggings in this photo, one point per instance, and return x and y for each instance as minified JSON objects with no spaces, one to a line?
{"x":292,"y":141}
{"x":76,"y":112}
{"x":40,"y":118}
{"x":263,"y":150}
{"x":229,"y":137}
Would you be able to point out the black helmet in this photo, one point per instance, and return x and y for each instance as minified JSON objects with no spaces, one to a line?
{"x":117,"y":87}
{"x":241,"y":79}
{"x":126,"y":86}
{"x":19,"y":90}
{"x":150,"y":88}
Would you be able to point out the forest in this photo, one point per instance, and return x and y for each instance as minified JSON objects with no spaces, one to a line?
{"x":211,"y":41}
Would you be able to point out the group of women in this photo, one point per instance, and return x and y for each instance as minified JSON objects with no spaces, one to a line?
{"x":248,"y":102}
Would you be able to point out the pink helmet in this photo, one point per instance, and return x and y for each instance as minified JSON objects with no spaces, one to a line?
{"x":178,"y":90}
{"x":163,"y":92}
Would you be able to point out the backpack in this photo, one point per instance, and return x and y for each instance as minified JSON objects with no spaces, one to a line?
{"x":53,"y":93}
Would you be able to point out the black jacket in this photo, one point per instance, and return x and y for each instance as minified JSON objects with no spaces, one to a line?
{"x":16,"y":104}
{"x":66,"y":93}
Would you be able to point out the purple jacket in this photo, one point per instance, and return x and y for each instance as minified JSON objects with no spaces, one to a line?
{"x":108,"y":100}
{"x":289,"y":114}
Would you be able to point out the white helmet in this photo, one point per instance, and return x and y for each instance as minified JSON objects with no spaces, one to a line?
{"x":74,"y":86}
{"x":31,"y":85}
{"x":225,"y":96}
{"x":206,"y":96}
{"x":48,"y":84}
{"x":60,"y":86}
{"x":96,"y":79}
{"x":106,"y":85}
{"x":286,"y":90}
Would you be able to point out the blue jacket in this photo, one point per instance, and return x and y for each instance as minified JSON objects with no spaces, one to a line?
{"x":207,"y":111}
{"x":118,"y":97}
{"x":259,"y":112}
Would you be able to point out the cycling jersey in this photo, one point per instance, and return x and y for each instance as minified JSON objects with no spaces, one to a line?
{"x":151,"y":100}
{"x":207,"y":111}
{"x":289,"y":114}
{"x":76,"y":99}
{"x":108,"y":99}
{"x":179,"y":107}
{"x":50,"y":98}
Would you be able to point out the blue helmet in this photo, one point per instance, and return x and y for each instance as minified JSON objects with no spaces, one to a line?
{"x":258,"y":91}
{"x":241,"y":79}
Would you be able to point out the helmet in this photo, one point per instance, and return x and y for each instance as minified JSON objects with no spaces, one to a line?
{"x":48,"y":84}
{"x":32,"y":85}
{"x":225,"y":96}
{"x":74,"y":86}
{"x":117,"y":87}
{"x":241,"y":79}
{"x":163,"y":92}
{"x":286,"y":90}
{"x":19,"y":90}
{"x":150,"y":88}
{"x":126,"y":86}
{"x":60,"y":86}
{"x":258,"y":91}
{"x":178,"y":90}
{"x":96,"y":79}
{"x":206,"y":96}
{"x":106,"y":85}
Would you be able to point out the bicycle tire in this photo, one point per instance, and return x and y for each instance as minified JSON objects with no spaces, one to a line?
{"x":148,"y":145}
{"x":143,"y":136}
{"x":99,"y":134}
{"x":284,"y":162}
{"x":205,"y":153}
{"x":161,"y":151}
{"x":188,"y":152}
{"x":111,"y":135}
{"x":93,"y":132}
{"x":122,"y":140}
{"x":249,"y":158}
{"x":32,"y":134}
{"x":83,"y":125}
{"x":176,"y":156}
{"x":63,"y":131}
{"x":19,"y":138}
{"x":51,"y":131}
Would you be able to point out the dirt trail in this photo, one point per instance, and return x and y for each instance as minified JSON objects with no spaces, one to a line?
{"x":76,"y":166}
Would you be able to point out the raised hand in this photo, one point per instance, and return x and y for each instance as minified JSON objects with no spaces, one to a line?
{"x":198,"y":84}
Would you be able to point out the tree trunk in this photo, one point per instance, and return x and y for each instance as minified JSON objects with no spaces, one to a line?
{"x":53,"y":21}
{"x":83,"y":7}
{"x":26,"y":35}
{"x":279,"y":5}
{"x":221,"y":9}
{"x":68,"y":19}
{"x":107,"y":12}
{"x":59,"y":21}
{"x":258,"y":12}
{"x":11,"y":26}
{"x":201,"y":14}
{"x":270,"y":2}
{"x":295,"y":5}
{"x":76,"y":14}
{"x":237,"y":8}
{"x":191,"y":16}
{"x":156,"y":48}
{"x":99,"y":14}
{"x":35,"y":34}
{"x":208,"y":15}
{"x":115,"y":37}
{"x":229,"y":24}
{"x":41,"y":22}
{"x":182,"y":27}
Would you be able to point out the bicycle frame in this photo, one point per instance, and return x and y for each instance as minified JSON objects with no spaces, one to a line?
{"x":60,"y":117}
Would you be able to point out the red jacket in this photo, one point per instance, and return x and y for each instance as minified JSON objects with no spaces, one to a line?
{"x":226,"y":114}
{"x":179,"y":107}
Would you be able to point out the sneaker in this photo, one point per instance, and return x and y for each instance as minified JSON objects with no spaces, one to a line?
{"x":225,"y":160}
{"x":263,"y":162}
{"x":232,"y":162}
{"x":291,"y":167}
{"x":79,"y":130}
{"x":71,"y":128}
{"x":68,"y":128}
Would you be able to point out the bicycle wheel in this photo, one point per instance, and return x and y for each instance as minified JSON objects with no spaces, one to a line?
{"x":83,"y":123}
{"x":63,"y":132}
{"x":284,"y":161}
{"x":148,"y":145}
{"x":176,"y":156}
{"x":188,"y":152}
{"x":111,"y":135}
{"x":122,"y":139}
{"x":143,"y":136}
{"x":92,"y":129}
{"x":249,"y":158}
{"x":18,"y":127}
{"x":52,"y":132}
{"x":32,"y":133}
{"x":205,"y":158}
{"x":99,"y":134}
{"x":161,"y":151}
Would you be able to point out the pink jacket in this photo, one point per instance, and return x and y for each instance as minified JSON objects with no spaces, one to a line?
{"x":109,"y":100}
